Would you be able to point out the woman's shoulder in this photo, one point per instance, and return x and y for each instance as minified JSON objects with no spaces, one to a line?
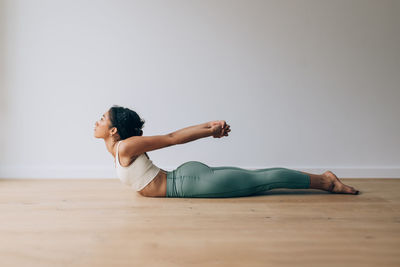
{"x":126,"y":161}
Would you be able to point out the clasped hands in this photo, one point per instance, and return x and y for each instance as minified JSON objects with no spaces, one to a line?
{"x":219,"y":128}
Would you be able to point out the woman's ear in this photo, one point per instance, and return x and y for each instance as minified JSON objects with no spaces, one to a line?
{"x":113,"y":131}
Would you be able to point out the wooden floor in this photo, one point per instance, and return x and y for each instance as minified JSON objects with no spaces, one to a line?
{"x":104,"y":223}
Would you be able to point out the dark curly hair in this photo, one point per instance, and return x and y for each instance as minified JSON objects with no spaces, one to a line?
{"x":127,"y":122}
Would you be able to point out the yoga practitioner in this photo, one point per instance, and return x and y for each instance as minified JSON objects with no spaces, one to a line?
{"x":121,"y":129}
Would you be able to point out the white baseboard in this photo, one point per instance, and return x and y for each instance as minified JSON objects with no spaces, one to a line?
{"x":89,"y":172}
{"x":57,"y":172}
{"x":363,"y":172}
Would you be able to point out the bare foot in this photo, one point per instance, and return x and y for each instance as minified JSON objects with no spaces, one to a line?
{"x":332,"y":184}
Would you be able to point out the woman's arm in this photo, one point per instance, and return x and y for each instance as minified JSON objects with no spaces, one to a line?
{"x":137,"y":145}
{"x":217,"y":129}
{"x":192,"y":133}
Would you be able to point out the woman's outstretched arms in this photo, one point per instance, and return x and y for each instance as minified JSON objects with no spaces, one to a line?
{"x":191,"y":133}
{"x":217,"y":129}
{"x":137,"y":145}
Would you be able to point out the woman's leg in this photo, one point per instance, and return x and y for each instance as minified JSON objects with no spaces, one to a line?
{"x":196,"y":179}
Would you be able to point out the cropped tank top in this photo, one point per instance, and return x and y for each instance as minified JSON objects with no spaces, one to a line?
{"x":137,"y":175}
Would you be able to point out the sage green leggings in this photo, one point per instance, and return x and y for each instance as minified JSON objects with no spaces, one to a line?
{"x":196,"y":179}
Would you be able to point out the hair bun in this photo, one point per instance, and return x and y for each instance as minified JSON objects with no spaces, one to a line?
{"x":127,"y":122}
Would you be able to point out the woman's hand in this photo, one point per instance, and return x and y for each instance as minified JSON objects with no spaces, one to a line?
{"x":219,"y":128}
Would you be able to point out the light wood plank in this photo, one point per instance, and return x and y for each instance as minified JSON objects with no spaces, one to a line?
{"x":104,"y":223}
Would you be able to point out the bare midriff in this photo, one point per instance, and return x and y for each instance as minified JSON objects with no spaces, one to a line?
{"x":157,"y":187}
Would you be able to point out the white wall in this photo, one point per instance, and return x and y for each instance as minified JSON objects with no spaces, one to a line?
{"x":310,"y":85}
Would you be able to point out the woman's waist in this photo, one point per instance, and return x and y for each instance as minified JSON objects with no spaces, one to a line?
{"x":138,"y":176}
{"x":157,"y":186}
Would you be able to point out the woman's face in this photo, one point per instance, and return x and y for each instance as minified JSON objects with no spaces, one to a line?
{"x":102,"y":129}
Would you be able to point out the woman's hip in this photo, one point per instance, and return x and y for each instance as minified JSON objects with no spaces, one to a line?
{"x":191,"y":168}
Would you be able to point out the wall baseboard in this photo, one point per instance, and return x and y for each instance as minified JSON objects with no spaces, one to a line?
{"x":93,"y":172}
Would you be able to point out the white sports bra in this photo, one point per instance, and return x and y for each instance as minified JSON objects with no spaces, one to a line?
{"x":139,"y":174}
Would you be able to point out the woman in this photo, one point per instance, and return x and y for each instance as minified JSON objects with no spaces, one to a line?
{"x":121,"y":129}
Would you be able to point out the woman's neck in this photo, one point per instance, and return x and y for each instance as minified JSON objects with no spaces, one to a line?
{"x":110,"y":145}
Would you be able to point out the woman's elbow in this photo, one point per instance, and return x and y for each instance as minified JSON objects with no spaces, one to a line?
{"x":172,"y":139}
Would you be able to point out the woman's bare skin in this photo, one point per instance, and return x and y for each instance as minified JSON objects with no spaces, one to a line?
{"x":157,"y":187}
{"x":328,"y":181}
